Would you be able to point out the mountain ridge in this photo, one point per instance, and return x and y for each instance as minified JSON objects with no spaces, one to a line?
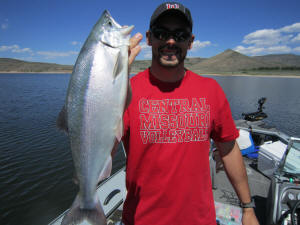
{"x":228,"y":61}
{"x":16,"y":65}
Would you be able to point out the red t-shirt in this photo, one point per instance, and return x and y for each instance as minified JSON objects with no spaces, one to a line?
{"x":168,"y":127}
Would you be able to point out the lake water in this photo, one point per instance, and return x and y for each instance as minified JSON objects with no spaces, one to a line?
{"x":35,"y":159}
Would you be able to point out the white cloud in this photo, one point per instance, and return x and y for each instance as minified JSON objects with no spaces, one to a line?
{"x":296,"y":38}
{"x":146,"y":50}
{"x":297,"y":49}
{"x":198,"y":44}
{"x":4,"y":25}
{"x":14,"y":49}
{"x":269,"y":41}
{"x":4,"y":48}
{"x":254,"y":50}
{"x":251,"y":50}
{"x":278,"y":49}
{"x":53,"y":54}
{"x":23,"y":50}
{"x":17,"y":52}
{"x":291,"y":28}
{"x":75,"y":43}
{"x":266,"y":37}
{"x":144,"y":46}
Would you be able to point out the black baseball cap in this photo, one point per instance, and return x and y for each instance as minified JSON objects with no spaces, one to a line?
{"x":167,"y":7}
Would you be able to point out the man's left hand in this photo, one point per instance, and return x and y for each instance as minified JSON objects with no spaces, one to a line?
{"x":134,"y":47}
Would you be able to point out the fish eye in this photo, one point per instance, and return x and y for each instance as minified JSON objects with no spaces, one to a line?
{"x":109,"y":23}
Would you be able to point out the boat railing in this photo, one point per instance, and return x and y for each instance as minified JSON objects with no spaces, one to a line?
{"x":282,"y":136}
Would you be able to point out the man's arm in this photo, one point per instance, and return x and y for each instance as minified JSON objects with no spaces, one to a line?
{"x":236,"y":173}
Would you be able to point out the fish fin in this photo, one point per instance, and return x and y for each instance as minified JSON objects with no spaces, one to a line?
{"x":62,"y":119}
{"x":78,"y":215}
{"x":128,"y":97}
{"x":75,"y":179}
{"x":106,"y":171}
{"x":119,"y":130}
{"x":118,"y":66}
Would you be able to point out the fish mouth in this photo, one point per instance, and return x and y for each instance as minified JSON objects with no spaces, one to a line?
{"x":110,"y":33}
{"x":110,"y":20}
{"x":127,"y":30}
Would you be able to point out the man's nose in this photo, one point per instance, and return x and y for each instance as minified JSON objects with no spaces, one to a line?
{"x":171,"y":41}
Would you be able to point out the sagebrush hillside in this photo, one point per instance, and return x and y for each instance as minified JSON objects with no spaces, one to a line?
{"x":227,"y":62}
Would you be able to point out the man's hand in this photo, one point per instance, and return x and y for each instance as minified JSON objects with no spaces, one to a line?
{"x":236,"y":172}
{"x":133,"y":51}
{"x":134,"y":48}
{"x":249,"y":217}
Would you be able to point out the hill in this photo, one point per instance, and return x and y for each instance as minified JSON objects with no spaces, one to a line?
{"x":15,"y":65}
{"x":227,"y":62}
{"x":230,"y":61}
{"x":285,"y":59}
{"x":140,"y":65}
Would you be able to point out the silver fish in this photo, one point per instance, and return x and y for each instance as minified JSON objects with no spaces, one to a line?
{"x":93,"y":112}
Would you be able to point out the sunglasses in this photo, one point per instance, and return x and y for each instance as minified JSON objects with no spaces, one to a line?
{"x":164,"y":35}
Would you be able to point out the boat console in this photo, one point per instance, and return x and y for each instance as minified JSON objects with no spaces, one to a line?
{"x":284,"y":193}
{"x":278,"y":159}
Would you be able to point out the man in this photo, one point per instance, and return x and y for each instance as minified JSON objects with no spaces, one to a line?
{"x":172,"y":115}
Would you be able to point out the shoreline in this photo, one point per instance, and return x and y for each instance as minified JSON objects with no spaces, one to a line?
{"x":226,"y":74}
{"x":252,"y":75}
{"x":45,"y":72}
{"x":202,"y":74}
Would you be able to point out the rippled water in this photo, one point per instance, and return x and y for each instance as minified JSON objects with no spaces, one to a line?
{"x":35,"y":159}
{"x":283,"y":99}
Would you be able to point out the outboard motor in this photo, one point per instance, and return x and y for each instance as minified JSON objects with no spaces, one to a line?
{"x":259,"y":114}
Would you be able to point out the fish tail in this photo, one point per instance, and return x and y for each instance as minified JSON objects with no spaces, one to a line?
{"x":77,"y":215}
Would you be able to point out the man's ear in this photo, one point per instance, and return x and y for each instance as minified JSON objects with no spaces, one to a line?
{"x":191,"y":42}
{"x":148,"y":38}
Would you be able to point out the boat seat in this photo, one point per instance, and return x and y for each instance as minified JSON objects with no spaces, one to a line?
{"x":246,"y":144}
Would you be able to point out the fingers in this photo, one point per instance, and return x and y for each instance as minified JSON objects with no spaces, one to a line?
{"x":133,"y":53}
{"x":134,"y":47}
{"x":135,"y":40}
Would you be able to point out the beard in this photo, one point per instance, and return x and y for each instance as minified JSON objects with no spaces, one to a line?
{"x":169,"y":56}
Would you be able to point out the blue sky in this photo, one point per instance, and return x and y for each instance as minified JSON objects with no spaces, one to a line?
{"x":54,"y":30}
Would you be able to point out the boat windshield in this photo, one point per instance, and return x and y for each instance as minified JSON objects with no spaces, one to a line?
{"x":292,"y":160}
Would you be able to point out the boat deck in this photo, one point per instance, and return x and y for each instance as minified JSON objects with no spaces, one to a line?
{"x":259,"y":187}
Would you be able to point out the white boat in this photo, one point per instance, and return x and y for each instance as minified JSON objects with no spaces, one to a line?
{"x":273,"y":167}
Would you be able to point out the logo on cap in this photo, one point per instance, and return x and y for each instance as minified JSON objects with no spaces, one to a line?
{"x":172,"y":6}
